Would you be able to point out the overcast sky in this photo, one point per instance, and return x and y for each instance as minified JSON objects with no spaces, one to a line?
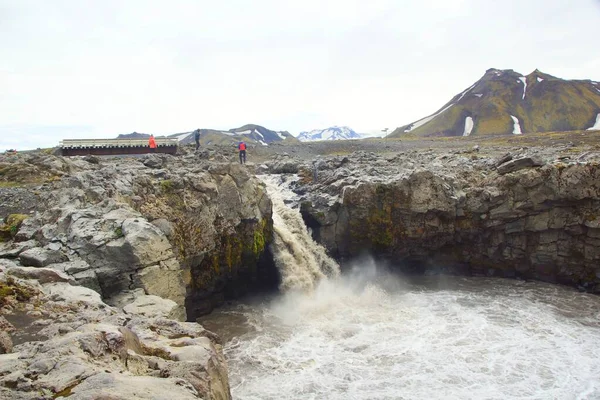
{"x":92,"y":69}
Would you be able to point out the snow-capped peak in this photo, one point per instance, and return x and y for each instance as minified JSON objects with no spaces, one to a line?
{"x":332,"y":133}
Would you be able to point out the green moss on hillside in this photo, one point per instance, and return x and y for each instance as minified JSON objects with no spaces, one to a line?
{"x":550,"y":104}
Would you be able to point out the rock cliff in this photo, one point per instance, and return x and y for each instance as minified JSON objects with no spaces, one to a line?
{"x":529,"y":213}
{"x":126,"y":248}
{"x":181,"y":228}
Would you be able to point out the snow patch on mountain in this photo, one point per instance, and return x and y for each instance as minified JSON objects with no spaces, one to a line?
{"x":425,"y":120}
{"x":539,"y":79}
{"x":596,"y":126}
{"x":524,"y":80}
{"x":517,"y":125}
{"x":466,"y":91}
{"x":468,"y":126}
{"x":332,"y":133}
{"x":478,"y":95}
{"x":182,"y":136}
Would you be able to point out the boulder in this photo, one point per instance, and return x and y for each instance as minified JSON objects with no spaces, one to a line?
{"x":60,"y":291}
{"x":153,"y":161}
{"x":80,"y":271}
{"x":41,"y":257}
{"x":6,"y":264}
{"x":27,"y":229}
{"x":155,"y":307}
{"x":164,"y":225}
{"x":92,"y":159}
{"x":116,"y":386}
{"x":11,"y":226}
{"x":145,"y":242}
{"x":165,"y":279}
{"x":13,"y":249}
{"x":518,"y":164}
{"x":42,"y":275}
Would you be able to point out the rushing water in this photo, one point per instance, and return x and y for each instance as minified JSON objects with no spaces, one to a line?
{"x":368,"y":337}
{"x":368,"y":334}
{"x":301,"y":262}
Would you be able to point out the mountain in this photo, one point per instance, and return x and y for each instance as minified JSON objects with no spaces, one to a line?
{"x":261,"y":134}
{"x":333,"y":133}
{"x":252,"y":134}
{"x":505,"y":101}
{"x":134,"y":135}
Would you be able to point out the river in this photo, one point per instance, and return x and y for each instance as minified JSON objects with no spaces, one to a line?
{"x":370,"y":334}
{"x":375,"y":336}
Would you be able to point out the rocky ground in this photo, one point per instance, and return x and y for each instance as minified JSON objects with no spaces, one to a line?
{"x":110,"y":258}
{"x":69,"y":343}
{"x":101,"y":258}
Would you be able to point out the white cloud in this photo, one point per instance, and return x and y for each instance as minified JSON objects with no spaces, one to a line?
{"x":151,"y":66}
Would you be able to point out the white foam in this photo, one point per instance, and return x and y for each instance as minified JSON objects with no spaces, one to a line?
{"x":516,"y":125}
{"x":451,"y":338}
{"x":596,"y":125}
{"x":468,"y":126}
{"x":524,"y":80}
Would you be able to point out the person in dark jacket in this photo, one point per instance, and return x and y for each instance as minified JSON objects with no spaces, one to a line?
{"x":197,"y":138}
{"x":242,"y":149}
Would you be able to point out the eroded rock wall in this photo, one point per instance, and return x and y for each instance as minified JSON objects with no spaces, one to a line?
{"x":183,"y":228}
{"x":536,"y":219}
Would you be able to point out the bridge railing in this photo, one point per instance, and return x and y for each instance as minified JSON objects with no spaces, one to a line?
{"x":105,"y":143}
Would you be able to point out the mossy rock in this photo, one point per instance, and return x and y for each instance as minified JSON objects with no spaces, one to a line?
{"x":10,"y":288}
{"x":16,"y":219}
{"x":9,"y":229}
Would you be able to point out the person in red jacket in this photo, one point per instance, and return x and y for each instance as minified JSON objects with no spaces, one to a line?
{"x":152,"y":144}
{"x":242,"y":149}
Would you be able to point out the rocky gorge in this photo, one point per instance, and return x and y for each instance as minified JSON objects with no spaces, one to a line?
{"x":103,"y":259}
{"x":527,"y":213}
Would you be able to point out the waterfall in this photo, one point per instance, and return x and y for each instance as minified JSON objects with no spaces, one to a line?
{"x":301,"y":261}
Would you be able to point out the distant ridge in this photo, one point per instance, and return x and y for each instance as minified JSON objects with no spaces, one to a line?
{"x":134,"y":135}
{"x":251,"y":133}
{"x":507,"y":102}
{"x":332,"y":133}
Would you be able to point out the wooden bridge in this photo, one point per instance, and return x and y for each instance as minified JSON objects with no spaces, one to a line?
{"x":81,"y":147}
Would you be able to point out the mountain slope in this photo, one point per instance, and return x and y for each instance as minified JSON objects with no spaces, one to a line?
{"x":332,"y":133}
{"x":504,"y":101}
{"x":261,"y":134}
{"x":252,"y":134}
{"x":133,"y":135}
